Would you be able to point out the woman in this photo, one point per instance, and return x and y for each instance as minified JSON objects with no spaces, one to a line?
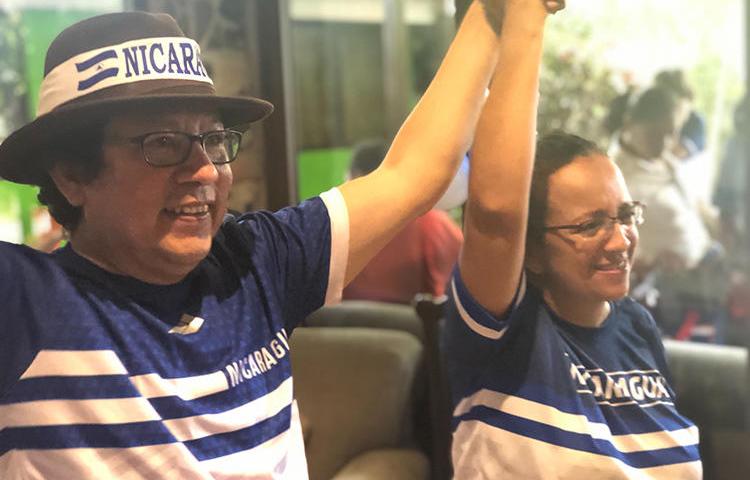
{"x":555,"y":372}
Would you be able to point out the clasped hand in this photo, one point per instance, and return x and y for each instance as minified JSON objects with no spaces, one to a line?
{"x":495,"y":10}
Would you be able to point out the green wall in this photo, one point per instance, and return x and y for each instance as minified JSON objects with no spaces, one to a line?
{"x":39,"y":28}
{"x":321,"y":169}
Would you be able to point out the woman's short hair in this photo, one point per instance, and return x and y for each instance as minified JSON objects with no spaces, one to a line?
{"x":553,"y":151}
{"x":81,"y":153}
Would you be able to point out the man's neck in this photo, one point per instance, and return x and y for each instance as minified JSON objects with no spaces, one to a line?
{"x":124,"y":264}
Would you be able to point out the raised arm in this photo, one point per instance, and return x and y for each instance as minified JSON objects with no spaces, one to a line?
{"x":427,"y":149}
{"x":502,"y":161}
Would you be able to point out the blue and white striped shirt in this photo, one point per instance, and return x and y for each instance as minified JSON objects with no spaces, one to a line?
{"x":104,"y":376}
{"x":538,"y":397}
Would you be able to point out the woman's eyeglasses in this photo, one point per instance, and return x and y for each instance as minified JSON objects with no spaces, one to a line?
{"x":629,"y":214}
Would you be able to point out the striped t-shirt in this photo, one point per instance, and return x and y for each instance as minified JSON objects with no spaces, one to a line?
{"x":540,"y":398}
{"x":104,"y":376}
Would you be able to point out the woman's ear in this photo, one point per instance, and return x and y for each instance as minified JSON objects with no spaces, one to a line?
{"x":534,"y":261}
{"x":69,"y":183}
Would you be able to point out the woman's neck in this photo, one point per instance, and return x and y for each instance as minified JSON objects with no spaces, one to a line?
{"x":582,"y":313}
{"x":628,"y":146}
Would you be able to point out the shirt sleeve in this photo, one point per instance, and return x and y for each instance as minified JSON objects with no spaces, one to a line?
{"x":467,"y":311}
{"x":6,"y":334}
{"x":300,"y":254}
{"x":472,"y":336}
{"x":27,"y":292}
{"x":339,"y":226}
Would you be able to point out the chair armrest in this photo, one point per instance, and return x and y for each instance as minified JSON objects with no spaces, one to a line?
{"x":391,"y":464}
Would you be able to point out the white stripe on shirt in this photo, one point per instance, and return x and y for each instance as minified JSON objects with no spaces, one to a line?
{"x":72,"y":412}
{"x":486,"y":332}
{"x":153,"y":385}
{"x":516,"y":456}
{"x":170,"y":461}
{"x":200,"y":426}
{"x":539,"y":412}
{"x":280,"y":457}
{"x":339,"y":217}
{"x":128,"y":410}
{"x":84,"y":363}
{"x":49,"y":363}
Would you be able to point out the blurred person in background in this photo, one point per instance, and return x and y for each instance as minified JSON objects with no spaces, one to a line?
{"x":692,"y":131}
{"x":644,"y":153}
{"x":420,"y":257}
{"x":730,"y":196}
{"x":679,"y":258}
{"x":730,"y":193}
{"x":692,"y":126}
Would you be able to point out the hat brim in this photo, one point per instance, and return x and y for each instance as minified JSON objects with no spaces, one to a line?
{"x":20,"y":153}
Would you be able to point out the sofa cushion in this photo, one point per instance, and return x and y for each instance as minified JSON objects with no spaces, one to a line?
{"x":354,"y":388}
{"x":711,"y":382}
{"x":365,"y":313}
{"x":389,"y":464}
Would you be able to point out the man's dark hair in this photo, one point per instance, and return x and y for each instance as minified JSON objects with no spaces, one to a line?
{"x":675,"y":81}
{"x":553,"y":151}
{"x":81,"y":153}
{"x":652,"y":105}
{"x":618,"y":107}
{"x":367,"y":156}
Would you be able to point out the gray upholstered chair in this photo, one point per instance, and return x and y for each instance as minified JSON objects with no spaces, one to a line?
{"x":355,"y":389}
{"x":712,"y":383}
{"x":365,"y":313}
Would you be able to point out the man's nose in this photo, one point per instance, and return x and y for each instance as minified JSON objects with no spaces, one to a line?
{"x":201,"y":168}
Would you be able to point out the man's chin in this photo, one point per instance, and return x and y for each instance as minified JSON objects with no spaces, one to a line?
{"x":188,"y":252}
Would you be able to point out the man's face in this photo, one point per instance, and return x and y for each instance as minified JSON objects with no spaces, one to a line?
{"x":155,"y":224}
{"x":653,"y":138}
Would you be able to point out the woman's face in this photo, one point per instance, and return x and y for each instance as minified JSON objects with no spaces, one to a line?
{"x":585,"y":266}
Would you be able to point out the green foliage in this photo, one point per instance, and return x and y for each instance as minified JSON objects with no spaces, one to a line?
{"x":575,"y":86}
{"x":592,"y":45}
{"x":717,"y":91}
{"x":12,"y":85}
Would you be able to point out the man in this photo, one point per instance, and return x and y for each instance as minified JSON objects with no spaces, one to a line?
{"x":680,"y":266}
{"x":419,"y":259}
{"x":692,"y":129}
{"x":678,"y":238}
{"x":155,"y":344}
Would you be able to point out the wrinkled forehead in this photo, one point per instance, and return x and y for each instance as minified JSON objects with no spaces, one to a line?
{"x":165,"y":118}
{"x":584,"y":186}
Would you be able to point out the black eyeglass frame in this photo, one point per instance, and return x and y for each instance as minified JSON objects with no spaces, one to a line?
{"x":579,"y":227}
{"x":140,"y":140}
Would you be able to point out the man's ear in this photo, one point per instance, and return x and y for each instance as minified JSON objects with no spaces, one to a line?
{"x":69,"y":183}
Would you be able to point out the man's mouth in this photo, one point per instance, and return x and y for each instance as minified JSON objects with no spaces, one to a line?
{"x":198,"y":210}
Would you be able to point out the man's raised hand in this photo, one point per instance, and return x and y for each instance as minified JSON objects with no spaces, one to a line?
{"x":495,"y":10}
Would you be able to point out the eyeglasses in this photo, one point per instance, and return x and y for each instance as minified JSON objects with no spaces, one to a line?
{"x":169,"y":148}
{"x":629,"y":214}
